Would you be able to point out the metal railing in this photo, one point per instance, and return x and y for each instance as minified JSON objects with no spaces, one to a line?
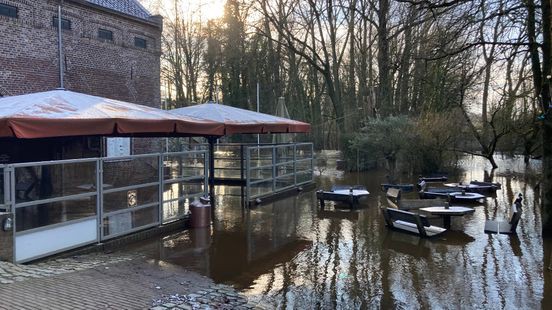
{"x":63,"y":204}
{"x":130,"y":194}
{"x":4,"y":188}
{"x":185,"y":178}
{"x":59,"y":205}
{"x":229,"y":161}
{"x":51,"y":200}
{"x":275,"y":168}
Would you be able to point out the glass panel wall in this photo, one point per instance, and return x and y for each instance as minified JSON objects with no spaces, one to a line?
{"x":130,"y":194}
{"x":184,"y":180}
{"x":274,"y":168}
{"x":45,"y":214}
{"x":304,"y":153}
{"x":119,"y":200}
{"x":228,"y":161}
{"x":54,"y":193}
{"x":39,"y":182}
{"x":130,"y":171}
{"x":122,"y":223}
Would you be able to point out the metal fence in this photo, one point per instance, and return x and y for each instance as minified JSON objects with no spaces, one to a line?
{"x":130,"y":194}
{"x":229,"y":161}
{"x":55,"y":206}
{"x":275,"y":168}
{"x":59,"y":205}
{"x":4,"y":188}
{"x":64,"y":204}
{"x":184,"y":178}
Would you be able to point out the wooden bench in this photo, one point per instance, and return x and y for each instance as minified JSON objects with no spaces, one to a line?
{"x":393,"y":195}
{"x":502,"y":227}
{"x":415,"y":204}
{"x":410,"y":222}
{"x":395,"y":201}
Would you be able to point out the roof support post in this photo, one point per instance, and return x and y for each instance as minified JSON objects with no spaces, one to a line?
{"x":212,"y":140}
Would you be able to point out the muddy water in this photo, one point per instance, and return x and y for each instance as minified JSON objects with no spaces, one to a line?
{"x":291,"y":254}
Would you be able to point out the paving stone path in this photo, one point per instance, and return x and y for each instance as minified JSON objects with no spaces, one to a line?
{"x":112,"y":281}
{"x":10,"y":273}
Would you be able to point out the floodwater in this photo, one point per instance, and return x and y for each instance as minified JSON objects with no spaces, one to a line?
{"x":290,"y":254}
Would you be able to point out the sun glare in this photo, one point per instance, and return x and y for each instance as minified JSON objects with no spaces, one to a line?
{"x":211,"y":9}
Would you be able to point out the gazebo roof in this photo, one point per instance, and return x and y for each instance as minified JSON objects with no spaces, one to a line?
{"x":61,"y":113}
{"x":238,"y":120}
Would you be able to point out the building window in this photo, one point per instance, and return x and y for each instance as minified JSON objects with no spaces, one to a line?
{"x":105,"y":34}
{"x":8,"y":10}
{"x":65,"y":23}
{"x":141,"y":43}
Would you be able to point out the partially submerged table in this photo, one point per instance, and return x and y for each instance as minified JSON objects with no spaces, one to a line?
{"x":474,"y":187}
{"x":464,"y":197}
{"x":350,"y":196}
{"x":446,"y":213}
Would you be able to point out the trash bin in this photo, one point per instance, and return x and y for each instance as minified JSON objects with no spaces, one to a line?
{"x":201,"y":213}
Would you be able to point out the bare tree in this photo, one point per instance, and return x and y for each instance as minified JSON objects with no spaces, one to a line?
{"x":318,"y":21}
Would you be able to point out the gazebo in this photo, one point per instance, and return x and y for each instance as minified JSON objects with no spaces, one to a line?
{"x":57,"y":205}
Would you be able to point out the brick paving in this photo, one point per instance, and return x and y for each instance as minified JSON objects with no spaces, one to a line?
{"x":111,"y":281}
{"x":10,"y":273}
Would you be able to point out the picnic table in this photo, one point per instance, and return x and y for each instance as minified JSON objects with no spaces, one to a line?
{"x":476,"y":187}
{"x":343,"y":193}
{"x":447,"y":212}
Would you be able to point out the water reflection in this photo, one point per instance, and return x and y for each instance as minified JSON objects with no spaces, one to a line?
{"x":291,"y":254}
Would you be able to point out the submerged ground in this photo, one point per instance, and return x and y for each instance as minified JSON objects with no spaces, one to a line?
{"x":291,"y":254}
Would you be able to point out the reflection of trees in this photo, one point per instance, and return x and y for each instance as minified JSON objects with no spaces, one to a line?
{"x":355,"y":262}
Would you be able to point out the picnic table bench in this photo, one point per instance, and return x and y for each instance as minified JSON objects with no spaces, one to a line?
{"x":410,"y":222}
{"x":394,"y":199}
{"x":509,"y":227}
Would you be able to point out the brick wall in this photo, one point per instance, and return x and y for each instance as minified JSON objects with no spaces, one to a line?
{"x":29,"y":57}
{"x":114,"y":69}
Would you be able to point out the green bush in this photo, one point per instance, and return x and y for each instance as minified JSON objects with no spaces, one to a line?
{"x":399,"y":143}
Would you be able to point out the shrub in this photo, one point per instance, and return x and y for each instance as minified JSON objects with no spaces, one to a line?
{"x":413,"y":145}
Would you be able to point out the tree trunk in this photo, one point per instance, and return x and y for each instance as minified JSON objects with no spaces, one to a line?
{"x":335,"y":96}
{"x":546,"y":186}
{"x":352,"y":103}
{"x":491,"y":159}
{"x":547,"y":124}
{"x":384,"y":65}
{"x":404,"y":73}
{"x":542,"y":88}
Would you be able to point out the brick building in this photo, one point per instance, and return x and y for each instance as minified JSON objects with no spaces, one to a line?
{"x":111,"y":49}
